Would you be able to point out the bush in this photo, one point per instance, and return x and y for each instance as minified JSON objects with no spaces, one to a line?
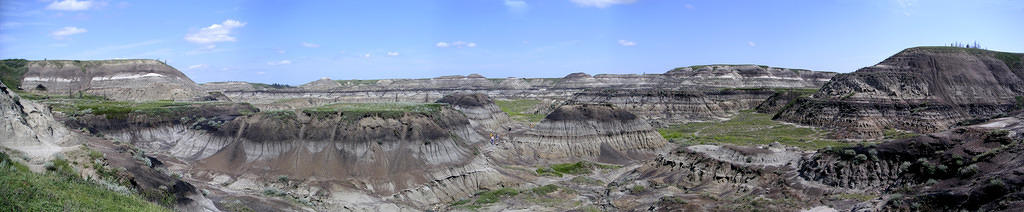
{"x":969,"y":170}
{"x":543,"y":190}
{"x":489,"y":197}
{"x":637,"y":189}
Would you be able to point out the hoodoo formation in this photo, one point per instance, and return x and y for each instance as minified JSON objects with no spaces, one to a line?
{"x":716,"y":137}
{"x":588,"y":132}
{"x":923,"y":89}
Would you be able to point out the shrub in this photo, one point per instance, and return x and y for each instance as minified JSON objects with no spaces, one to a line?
{"x":637,"y":189}
{"x":969,"y":170}
{"x":543,"y":190}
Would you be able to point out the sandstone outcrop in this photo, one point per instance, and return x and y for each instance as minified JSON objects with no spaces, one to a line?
{"x":923,"y":89}
{"x":28,"y":127}
{"x":135,"y":80}
{"x":587,"y":132}
{"x":479,"y":109}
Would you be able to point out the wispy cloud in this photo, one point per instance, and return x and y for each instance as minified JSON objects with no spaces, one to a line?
{"x":626,"y":43}
{"x":456,"y":44}
{"x":516,"y":5}
{"x":689,"y":6}
{"x":601,"y":3}
{"x":282,"y":62}
{"x":906,"y":6}
{"x":67,"y":31}
{"x":70,"y":5}
{"x":310,"y":45}
{"x":751,"y":43}
{"x":215,"y":33}
{"x":392,"y":53}
{"x":197,"y":66}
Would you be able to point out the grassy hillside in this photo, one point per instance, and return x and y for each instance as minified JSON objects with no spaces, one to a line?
{"x":12,"y":71}
{"x":60,"y":189}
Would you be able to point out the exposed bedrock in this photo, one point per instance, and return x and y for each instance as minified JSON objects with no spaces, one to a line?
{"x":414,"y":158}
{"x":665,"y":107}
{"x":115,"y":79}
{"x":923,"y":89}
{"x":586,"y":132}
{"x":782,"y":98}
{"x":479,"y":109}
{"x":977,"y":167}
{"x":28,"y":127}
{"x":724,"y":177}
{"x":430,"y":90}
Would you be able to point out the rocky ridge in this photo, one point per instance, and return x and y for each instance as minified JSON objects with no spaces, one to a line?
{"x":923,"y":89}
{"x":116,"y":79}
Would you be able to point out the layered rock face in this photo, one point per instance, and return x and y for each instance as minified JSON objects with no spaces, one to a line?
{"x":924,"y":89}
{"x":115,"y":79}
{"x":665,"y":107}
{"x":781,"y":99}
{"x":28,"y":127}
{"x":587,"y":132}
{"x":479,"y":109}
{"x":716,"y":178}
{"x":976,"y":167}
{"x":430,"y":90}
{"x":418,"y":158}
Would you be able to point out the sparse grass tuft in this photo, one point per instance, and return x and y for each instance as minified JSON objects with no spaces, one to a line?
{"x":518,"y":109}
{"x":356,"y":111}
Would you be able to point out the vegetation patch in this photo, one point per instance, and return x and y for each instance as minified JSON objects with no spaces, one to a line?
{"x":356,"y":82}
{"x":519,"y":109}
{"x":749,"y":128}
{"x":270,"y":86}
{"x":58,"y":190}
{"x":12,"y":71}
{"x":356,"y":111}
{"x":577,"y":168}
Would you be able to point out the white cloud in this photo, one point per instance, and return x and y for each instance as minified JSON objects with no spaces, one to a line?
{"x":627,"y":43}
{"x":392,"y":53}
{"x":67,"y":31}
{"x":70,"y":5}
{"x":600,"y":3}
{"x":197,"y":66}
{"x":367,"y":55}
{"x":456,"y":44}
{"x":215,"y":33}
{"x":310,"y":45}
{"x":282,"y":62}
{"x":516,"y":5}
{"x":751,"y":43}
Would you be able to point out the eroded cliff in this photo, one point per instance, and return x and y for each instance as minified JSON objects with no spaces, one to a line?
{"x":923,"y":89}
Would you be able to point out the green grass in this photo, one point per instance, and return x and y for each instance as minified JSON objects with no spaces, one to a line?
{"x":270,"y":86}
{"x":55,"y":190}
{"x":749,"y":128}
{"x":518,"y":109}
{"x":83,"y":104}
{"x":488,"y":197}
{"x":544,"y":190}
{"x":577,"y":168}
{"x":356,"y":82}
{"x":12,"y":71}
{"x":356,"y":111}
{"x":1013,"y":60}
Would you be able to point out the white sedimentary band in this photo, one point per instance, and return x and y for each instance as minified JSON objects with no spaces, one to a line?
{"x":127,"y":76}
{"x":51,"y":79}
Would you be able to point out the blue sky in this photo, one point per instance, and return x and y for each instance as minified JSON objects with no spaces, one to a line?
{"x":299,"y":41}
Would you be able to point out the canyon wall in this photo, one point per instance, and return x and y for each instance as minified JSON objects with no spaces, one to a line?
{"x":114,"y":79}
